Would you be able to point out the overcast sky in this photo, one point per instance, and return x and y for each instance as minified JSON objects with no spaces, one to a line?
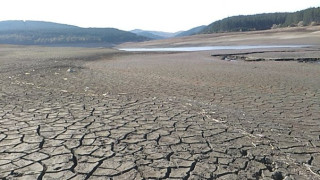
{"x":162,"y":15}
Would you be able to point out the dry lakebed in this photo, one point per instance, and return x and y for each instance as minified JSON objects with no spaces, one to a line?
{"x":98,"y":113}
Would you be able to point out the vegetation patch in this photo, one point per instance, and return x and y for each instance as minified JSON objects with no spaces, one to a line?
{"x":309,"y":16}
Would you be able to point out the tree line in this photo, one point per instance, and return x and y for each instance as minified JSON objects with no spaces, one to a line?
{"x":266,"y":21}
{"x":40,"y":33}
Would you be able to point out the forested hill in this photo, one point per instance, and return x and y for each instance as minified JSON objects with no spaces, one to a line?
{"x":191,"y":32}
{"x":47,"y":33}
{"x":306,"y":17}
{"x":32,"y":25}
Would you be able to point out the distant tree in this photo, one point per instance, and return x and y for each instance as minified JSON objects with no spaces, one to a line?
{"x":45,"y":33}
{"x":265,"y":21}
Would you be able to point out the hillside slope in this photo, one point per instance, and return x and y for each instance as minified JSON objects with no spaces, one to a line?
{"x":149,"y":34}
{"x":309,"y":16}
{"x":155,"y":34}
{"x":47,"y":33}
{"x":190,"y":32}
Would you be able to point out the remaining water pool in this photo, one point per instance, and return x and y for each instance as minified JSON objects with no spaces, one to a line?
{"x":207,"y":48}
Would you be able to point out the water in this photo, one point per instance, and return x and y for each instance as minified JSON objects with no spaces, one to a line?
{"x":207,"y":48}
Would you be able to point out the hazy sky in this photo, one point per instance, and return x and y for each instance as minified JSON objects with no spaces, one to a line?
{"x":163,"y":15}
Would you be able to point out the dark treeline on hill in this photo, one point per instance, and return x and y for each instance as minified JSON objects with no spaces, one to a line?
{"x":306,"y":17}
{"x":47,"y":33}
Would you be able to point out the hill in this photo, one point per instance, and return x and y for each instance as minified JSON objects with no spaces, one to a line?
{"x":155,"y":34}
{"x":190,"y":32}
{"x":149,"y":34}
{"x":309,"y":16}
{"x":47,"y":33}
{"x":32,"y":25}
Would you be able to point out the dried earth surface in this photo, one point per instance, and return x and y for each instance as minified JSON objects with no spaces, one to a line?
{"x":76,"y":113}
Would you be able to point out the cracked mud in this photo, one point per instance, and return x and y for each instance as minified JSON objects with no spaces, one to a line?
{"x":157,"y":116}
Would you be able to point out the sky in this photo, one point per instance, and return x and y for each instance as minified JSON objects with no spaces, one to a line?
{"x":160,"y":15}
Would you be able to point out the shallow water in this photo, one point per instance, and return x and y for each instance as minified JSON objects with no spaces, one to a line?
{"x":207,"y":48}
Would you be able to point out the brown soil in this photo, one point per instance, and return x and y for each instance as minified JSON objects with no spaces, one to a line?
{"x":299,"y":36}
{"x":100,"y":114}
